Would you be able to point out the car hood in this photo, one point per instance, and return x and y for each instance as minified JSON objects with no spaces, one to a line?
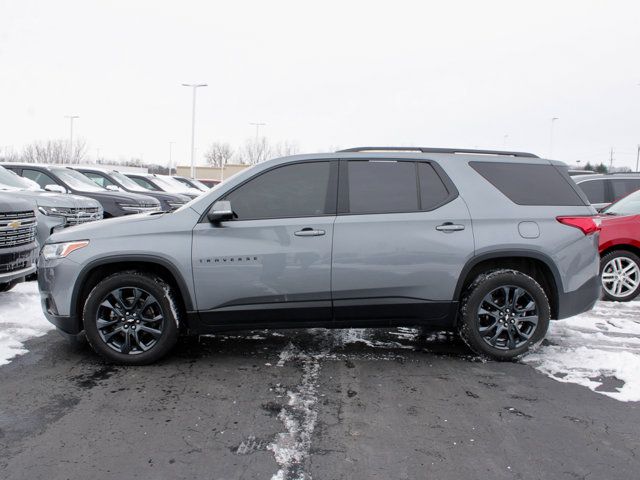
{"x":124,"y":197}
{"x":50,"y":199}
{"x":10,"y":203}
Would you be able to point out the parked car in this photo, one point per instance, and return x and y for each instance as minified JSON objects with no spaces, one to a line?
{"x":620,"y":249}
{"x":162,"y":183}
{"x":605,"y":188}
{"x":112,"y":179}
{"x":53,"y":210}
{"x":493,"y":244}
{"x":209,"y":183}
{"x":575,"y":173}
{"x":57,"y":178}
{"x":18,"y":243}
{"x":191,"y":183}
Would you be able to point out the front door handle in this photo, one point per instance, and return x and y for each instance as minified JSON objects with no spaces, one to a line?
{"x":449,"y":227}
{"x":309,"y":232}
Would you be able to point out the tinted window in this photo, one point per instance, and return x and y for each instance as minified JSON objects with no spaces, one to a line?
{"x":623,"y":186}
{"x":40,"y":178}
{"x":594,"y":190}
{"x":99,"y":179}
{"x":529,"y":184}
{"x":382,"y":187}
{"x":299,"y":190}
{"x":143,"y":183}
{"x":432,"y":191}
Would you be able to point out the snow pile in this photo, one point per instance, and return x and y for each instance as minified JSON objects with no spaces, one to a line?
{"x":599,"y":350}
{"x":299,"y":416}
{"x":21,"y":318}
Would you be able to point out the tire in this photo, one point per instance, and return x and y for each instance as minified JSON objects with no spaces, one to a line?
{"x":5,"y":287}
{"x":513,"y":330}
{"x":620,"y":288}
{"x":139,"y":323}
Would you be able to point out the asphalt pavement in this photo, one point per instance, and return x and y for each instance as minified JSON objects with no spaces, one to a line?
{"x":302,"y":404}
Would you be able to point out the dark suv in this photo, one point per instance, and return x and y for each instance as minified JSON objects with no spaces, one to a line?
{"x":113,"y":179}
{"x":491,"y":244}
{"x":18,"y":244}
{"x":57,"y":178}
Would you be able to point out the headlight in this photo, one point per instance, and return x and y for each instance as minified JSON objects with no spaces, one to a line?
{"x":54,"y":211}
{"x":52,"y":251}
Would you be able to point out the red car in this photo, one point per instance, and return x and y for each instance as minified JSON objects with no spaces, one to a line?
{"x":620,"y":249}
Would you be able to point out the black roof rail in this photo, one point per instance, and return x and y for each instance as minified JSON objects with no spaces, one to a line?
{"x":440,"y":150}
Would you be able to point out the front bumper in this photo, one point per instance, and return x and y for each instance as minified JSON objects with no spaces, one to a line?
{"x":56,"y":279}
{"x":581,"y":300}
{"x":17,"y":262}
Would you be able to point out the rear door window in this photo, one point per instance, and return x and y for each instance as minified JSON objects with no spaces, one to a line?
{"x":595,"y":190}
{"x":529,"y":184}
{"x":382,"y":186}
{"x":433,"y":191}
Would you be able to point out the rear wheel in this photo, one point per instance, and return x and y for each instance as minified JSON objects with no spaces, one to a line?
{"x":620,"y":275}
{"x":130,"y":318}
{"x":503,"y":314}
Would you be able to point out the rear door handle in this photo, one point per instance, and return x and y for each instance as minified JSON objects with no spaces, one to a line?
{"x":449,"y":227}
{"x":309,"y":232}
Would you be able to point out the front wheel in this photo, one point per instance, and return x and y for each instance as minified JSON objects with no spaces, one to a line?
{"x":503,"y":314}
{"x":620,"y":276}
{"x":130,"y":318}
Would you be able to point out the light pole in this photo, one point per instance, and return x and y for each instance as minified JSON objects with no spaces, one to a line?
{"x":170,"y":155}
{"x":257,"y":125}
{"x":71,"y":119}
{"x":553,"y":120}
{"x":194,"y":87}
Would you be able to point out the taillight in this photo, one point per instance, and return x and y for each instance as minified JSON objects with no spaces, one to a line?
{"x":588,"y":225}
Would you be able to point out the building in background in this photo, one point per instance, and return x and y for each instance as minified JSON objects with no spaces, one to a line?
{"x":211,"y":173}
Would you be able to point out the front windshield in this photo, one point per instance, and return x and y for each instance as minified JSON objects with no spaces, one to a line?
{"x":13,"y":180}
{"x":127,"y":183}
{"x":199,"y":185}
{"x":168,"y":185}
{"x":77,"y":181}
{"x":629,"y":205}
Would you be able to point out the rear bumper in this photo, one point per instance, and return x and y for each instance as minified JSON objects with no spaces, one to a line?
{"x":581,"y":300}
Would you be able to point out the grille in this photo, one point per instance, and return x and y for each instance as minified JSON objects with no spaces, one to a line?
{"x":77,"y":216}
{"x":17,"y":228}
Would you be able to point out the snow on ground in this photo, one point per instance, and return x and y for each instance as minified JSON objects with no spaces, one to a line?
{"x":21,"y":318}
{"x":598,"y":349}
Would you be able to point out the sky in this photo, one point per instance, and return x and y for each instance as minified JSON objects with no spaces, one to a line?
{"x":325,"y":75}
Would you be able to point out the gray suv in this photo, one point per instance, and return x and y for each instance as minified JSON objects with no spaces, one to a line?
{"x":18,"y":244}
{"x":491,"y":244}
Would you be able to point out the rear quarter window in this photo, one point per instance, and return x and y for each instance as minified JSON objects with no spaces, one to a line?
{"x":530,"y":184}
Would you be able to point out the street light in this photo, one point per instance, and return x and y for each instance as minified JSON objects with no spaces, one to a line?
{"x":551,"y":137}
{"x":257,"y":125}
{"x":170,"y":155}
{"x":194,"y":87}
{"x":71,"y":119}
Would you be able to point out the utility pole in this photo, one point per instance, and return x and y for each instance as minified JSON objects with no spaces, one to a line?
{"x":71,"y":119}
{"x":610,"y":159}
{"x":194,"y":87}
{"x":170,"y":155}
{"x":257,"y":125}
{"x":551,"y":137}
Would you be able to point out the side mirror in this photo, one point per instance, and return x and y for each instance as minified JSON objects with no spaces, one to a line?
{"x":219,"y":211}
{"x":55,"y":188}
{"x":113,"y":188}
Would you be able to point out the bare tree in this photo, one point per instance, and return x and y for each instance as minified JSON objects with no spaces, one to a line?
{"x":285,"y":148}
{"x":255,"y":150}
{"x":54,"y":151}
{"x":219,"y":154}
